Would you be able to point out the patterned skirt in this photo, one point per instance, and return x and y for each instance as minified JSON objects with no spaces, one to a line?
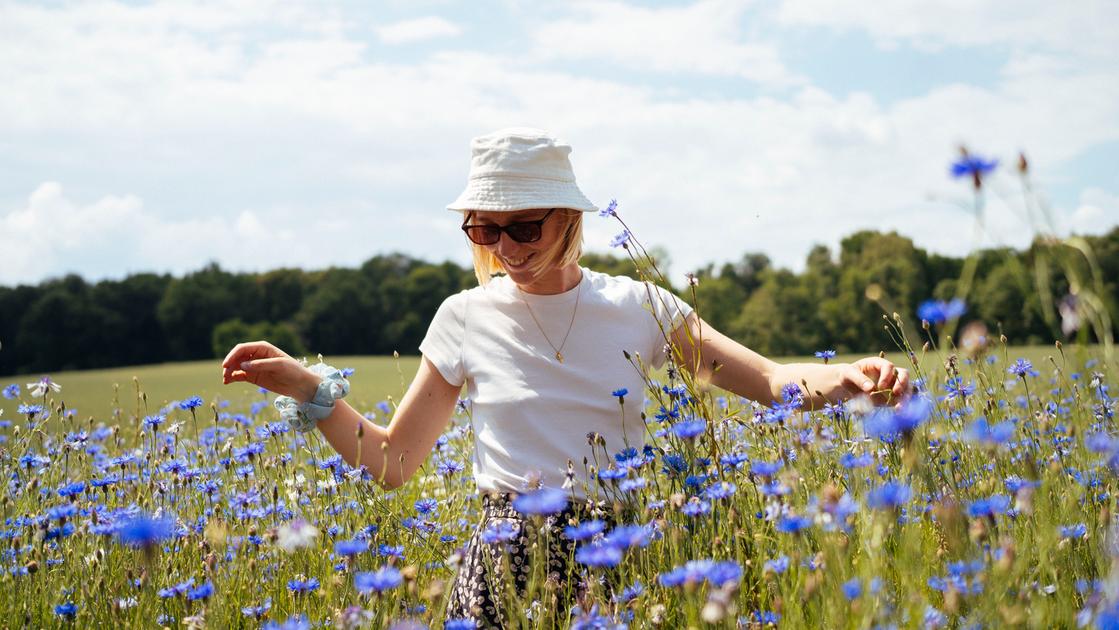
{"x":491,"y":587}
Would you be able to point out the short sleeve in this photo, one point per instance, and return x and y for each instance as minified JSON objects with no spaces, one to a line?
{"x":443,"y":343}
{"x":669,"y":312}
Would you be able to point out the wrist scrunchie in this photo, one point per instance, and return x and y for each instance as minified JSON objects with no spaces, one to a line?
{"x":304,"y":416}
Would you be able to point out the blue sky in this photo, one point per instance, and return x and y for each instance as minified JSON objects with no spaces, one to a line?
{"x":159,"y":136}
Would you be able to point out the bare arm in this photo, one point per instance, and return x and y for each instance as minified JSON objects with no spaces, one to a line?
{"x":728,"y":364}
{"x":394,"y":453}
{"x":391,"y":454}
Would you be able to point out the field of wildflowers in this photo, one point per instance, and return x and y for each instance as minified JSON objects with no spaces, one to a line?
{"x":985,"y":500}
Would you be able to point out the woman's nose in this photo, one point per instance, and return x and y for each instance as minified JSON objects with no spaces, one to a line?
{"x":506,"y":246}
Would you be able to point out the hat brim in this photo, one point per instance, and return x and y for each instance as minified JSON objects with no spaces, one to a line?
{"x":510,"y":194}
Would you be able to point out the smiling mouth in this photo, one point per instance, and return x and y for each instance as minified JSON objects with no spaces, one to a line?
{"x":515,"y":262}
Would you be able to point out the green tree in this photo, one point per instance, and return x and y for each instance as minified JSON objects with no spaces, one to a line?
{"x":194,"y":304}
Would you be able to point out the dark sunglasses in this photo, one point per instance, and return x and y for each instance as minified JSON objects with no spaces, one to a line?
{"x":521,"y":231}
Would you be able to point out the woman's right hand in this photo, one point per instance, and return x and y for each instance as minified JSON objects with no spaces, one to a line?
{"x":265,"y":365}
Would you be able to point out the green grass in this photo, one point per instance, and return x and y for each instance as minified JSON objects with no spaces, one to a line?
{"x":98,"y":393}
{"x":72,"y":489}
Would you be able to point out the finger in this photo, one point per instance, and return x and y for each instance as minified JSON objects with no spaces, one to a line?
{"x":263,"y":366}
{"x":901,"y":385}
{"x":855,"y":380}
{"x":886,"y":375}
{"x":238,"y":354}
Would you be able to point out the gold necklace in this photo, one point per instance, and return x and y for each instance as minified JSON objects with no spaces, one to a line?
{"x":559,"y":350}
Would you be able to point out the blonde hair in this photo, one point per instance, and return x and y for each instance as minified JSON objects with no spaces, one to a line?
{"x":565,"y":251}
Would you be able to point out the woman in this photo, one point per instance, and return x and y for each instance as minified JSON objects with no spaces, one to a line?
{"x":540,"y":350}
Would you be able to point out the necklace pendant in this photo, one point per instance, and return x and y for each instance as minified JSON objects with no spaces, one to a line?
{"x":559,"y":356}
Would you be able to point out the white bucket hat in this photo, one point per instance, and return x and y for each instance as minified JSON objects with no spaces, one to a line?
{"x":520,"y":169}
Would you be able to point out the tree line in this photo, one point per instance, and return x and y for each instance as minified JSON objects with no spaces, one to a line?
{"x":385,"y":305}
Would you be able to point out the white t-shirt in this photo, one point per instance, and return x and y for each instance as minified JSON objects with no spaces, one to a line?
{"x":531,"y":413}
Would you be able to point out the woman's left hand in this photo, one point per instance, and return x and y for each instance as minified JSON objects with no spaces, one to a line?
{"x":878,"y":378}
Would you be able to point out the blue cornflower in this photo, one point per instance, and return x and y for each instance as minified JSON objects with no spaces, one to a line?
{"x":391,"y":551}
{"x":1022,"y":368}
{"x":347,"y":372}
{"x":792,"y":524}
{"x":938,"y":312}
{"x":972,"y":166}
{"x":381,"y":580}
{"x":426,"y":506}
{"x":1080,"y":530}
{"x":689,"y":429}
{"x":619,"y":393}
{"x":11,"y":391}
{"x":766,"y":617}
{"x":850,"y":460}
{"x":67,"y":611}
{"x":194,"y":402}
{"x":257,"y":612}
{"x":765,"y":469}
{"x":177,"y":589}
{"x":674,"y":464}
{"x":630,"y":593}
{"x":983,"y":433}
{"x":460,"y":624}
{"x":629,"y":536}
{"x":888,"y":496}
{"x":852,"y":588}
{"x":584,"y":530}
{"x":621,"y":240}
{"x":202,"y":591}
{"x":448,"y":467}
{"x":351,"y":547}
{"x":733,"y":460}
{"x":610,"y":210}
{"x":696,"y":507}
{"x":499,"y":531}
{"x":777,"y":565}
{"x":294,"y":622}
{"x":598,"y":555}
{"x":151,"y":422}
{"x":29,"y":410}
{"x":720,"y":490}
{"x":721,"y":573}
{"x":957,"y":388}
{"x":72,"y":489}
{"x":613,"y":474}
{"x":542,"y":502}
{"x":995,"y":504}
{"x":61,"y":512}
{"x":884,"y":422}
{"x":145,"y":531}
{"x":630,"y":485}
{"x":825,"y":355}
{"x":300,"y":587}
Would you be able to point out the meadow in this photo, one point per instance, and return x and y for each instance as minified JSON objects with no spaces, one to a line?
{"x":169,"y":500}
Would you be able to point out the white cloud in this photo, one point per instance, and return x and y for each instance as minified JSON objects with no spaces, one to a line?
{"x":419,"y":29}
{"x":281,"y":143}
{"x":1086,"y":27}
{"x":1097,"y":211}
{"x":706,"y":37}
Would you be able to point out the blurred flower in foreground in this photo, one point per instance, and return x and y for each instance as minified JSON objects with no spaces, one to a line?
{"x":938,"y":311}
{"x":41,"y":387}
{"x":973,"y":166}
{"x":296,"y":534}
{"x":544,"y":501}
{"x":145,"y":531}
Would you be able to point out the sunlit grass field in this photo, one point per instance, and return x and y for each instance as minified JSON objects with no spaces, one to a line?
{"x":139,"y":390}
{"x":987,"y":500}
